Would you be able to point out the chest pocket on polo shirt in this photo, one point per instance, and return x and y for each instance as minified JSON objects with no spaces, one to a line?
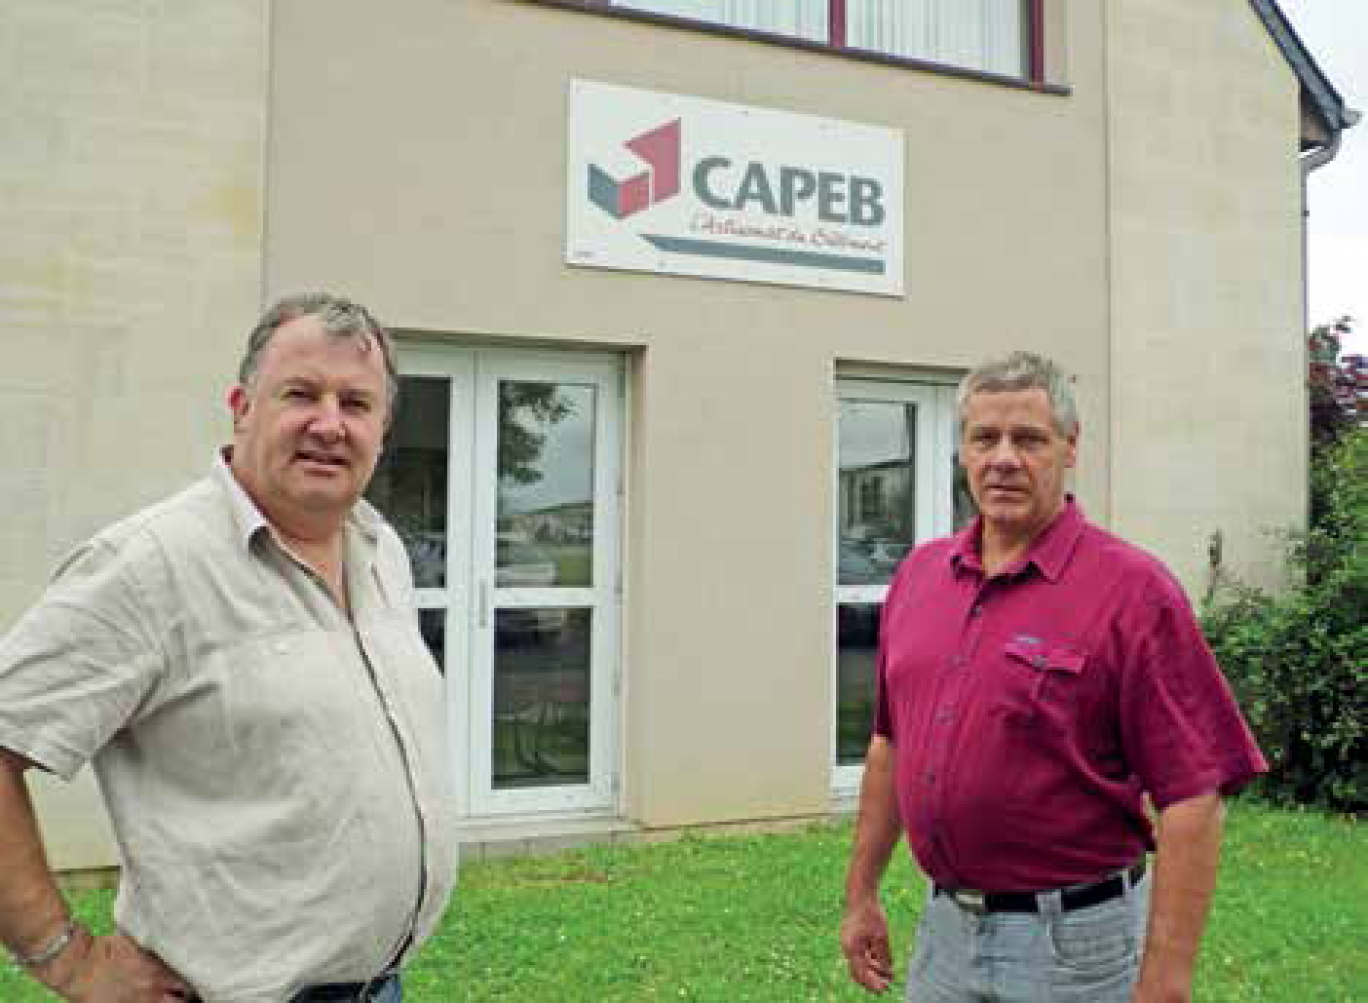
{"x":1041,"y":681}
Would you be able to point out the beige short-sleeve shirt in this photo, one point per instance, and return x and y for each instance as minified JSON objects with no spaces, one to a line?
{"x":277,"y":774}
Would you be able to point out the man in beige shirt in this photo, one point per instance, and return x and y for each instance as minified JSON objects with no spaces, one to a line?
{"x":241,"y":664}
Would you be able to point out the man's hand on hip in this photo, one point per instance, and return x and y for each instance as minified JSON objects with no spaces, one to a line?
{"x":864,"y":939}
{"x":113,"y":969}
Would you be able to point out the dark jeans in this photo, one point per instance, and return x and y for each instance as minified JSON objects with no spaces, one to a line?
{"x":389,"y":991}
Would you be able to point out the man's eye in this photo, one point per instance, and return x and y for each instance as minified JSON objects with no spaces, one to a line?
{"x":296,"y":394}
{"x":360,"y":404}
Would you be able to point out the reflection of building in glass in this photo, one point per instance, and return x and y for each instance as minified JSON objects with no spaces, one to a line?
{"x":570,"y":522}
{"x":876,"y":520}
{"x":411,"y":489}
{"x":410,"y":482}
{"x":876,"y":500}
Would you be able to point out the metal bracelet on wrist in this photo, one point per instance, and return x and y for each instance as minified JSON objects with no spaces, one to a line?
{"x":51,"y":949}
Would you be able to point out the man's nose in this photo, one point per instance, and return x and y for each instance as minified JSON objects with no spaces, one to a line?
{"x":327,"y":421}
{"x":1004,"y":454}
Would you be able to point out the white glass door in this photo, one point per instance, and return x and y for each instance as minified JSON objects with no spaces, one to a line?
{"x":893,"y":491}
{"x":501,"y":474}
{"x":429,"y":440}
{"x":545,"y":576}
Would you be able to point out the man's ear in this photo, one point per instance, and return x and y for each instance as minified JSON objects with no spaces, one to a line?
{"x":1073,"y":446}
{"x":239,"y":402}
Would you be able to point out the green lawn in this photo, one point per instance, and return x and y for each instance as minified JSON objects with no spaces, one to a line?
{"x":740,"y":918}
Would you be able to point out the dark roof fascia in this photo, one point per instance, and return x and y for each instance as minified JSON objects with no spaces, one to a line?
{"x":1316,"y":86}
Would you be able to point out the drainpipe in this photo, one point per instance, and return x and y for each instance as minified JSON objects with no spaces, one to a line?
{"x":1314,"y":161}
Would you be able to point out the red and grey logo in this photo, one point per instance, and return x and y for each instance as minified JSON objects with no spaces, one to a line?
{"x":644,"y":172}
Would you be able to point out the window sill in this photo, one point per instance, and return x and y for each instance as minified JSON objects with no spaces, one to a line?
{"x":789,"y":41}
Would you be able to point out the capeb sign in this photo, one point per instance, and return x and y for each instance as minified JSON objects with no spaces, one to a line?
{"x":681,"y":185}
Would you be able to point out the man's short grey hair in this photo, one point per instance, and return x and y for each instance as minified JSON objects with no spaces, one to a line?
{"x":340,"y":317}
{"x":1024,"y":371}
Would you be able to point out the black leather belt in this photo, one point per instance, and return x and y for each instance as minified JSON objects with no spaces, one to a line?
{"x":344,"y":992}
{"x":1077,"y":897}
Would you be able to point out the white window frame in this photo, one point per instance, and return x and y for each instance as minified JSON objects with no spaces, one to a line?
{"x":933,"y":468}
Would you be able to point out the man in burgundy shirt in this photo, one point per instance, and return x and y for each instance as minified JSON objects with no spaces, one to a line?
{"x":1038,"y":678}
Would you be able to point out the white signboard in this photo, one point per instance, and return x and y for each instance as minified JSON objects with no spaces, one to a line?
{"x":664,"y":183}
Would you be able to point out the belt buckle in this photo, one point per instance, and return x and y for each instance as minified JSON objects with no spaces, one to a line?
{"x":970,"y":900}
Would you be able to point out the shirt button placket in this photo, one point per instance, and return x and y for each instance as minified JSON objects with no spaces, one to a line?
{"x":943,"y":735}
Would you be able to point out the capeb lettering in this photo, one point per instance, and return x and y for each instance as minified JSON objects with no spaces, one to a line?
{"x":840,"y":198}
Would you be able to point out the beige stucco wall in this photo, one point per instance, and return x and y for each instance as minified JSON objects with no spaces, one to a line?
{"x":432,"y":184}
{"x":1208,"y":425}
{"x":130,"y":201}
{"x":414,"y":157}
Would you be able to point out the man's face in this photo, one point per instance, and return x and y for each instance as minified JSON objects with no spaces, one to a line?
{"x":1015,"y":458}
{"x":308,"y":428}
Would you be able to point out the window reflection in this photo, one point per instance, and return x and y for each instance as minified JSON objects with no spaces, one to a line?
{"x":410,"y":482}
{"x":803,"y":18}
{"x":857,"y":659}
{"x":432,"y":625}
{"x":877,"y":503}
{"x":982,"y":35}
{"x":964,"y":507}
{"x":541,"y":697}
{"x":546,"y":481}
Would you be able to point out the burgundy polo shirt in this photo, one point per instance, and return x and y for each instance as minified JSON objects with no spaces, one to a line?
{"x":1031,"y":710}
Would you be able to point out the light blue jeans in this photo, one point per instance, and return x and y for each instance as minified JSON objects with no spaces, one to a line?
{"x":1088,"y":955}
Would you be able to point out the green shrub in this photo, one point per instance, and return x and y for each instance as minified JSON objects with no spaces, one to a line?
{"x":1299,"y":659}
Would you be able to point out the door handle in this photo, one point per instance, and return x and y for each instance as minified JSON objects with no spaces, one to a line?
{"x":484,"y":603}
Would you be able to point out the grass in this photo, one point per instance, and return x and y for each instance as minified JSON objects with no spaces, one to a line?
{"x":754,"y":918}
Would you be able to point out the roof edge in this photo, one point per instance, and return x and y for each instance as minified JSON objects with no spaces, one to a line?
{"x":1317,"y":90}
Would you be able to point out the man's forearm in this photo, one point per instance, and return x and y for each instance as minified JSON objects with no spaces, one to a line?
{"x":32,"y":912}
{"x":878,"y":825}
{"x":1189,"y":851}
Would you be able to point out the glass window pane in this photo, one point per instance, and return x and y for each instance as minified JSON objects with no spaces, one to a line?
{"x":876,"y":490}
{"x":964,"y":507}
{"x":984,"y":35}
{"x":801,"y":18}
{"x":546,"y":485}
{"x":857,"y":659}
{"x":432,"y":625}
{"x":410,"y":482}
{"x":541,"y":697}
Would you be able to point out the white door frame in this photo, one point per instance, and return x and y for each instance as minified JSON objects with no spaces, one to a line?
{"x":932,"y":472}
{"x":472,"y":597}
{"x":601,"y":597}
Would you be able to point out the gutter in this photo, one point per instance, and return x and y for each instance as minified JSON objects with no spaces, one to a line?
{"x":1316,"y":86}
{"x":1314,"y":161}
{"x":1311,"y":161}
{"x":1326,"y":152}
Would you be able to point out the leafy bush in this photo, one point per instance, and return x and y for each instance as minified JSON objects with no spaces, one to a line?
{"x":1337,"y":385}
{"x":1299,"y":659}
